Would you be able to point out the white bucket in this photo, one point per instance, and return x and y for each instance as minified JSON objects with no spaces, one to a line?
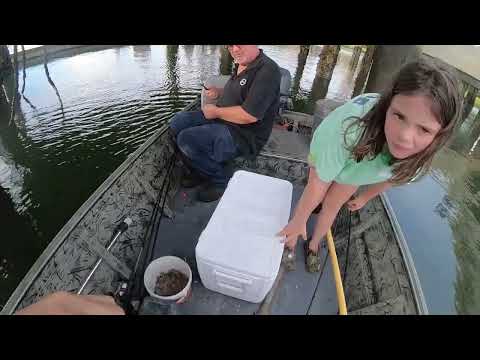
{"x":165,"y":264}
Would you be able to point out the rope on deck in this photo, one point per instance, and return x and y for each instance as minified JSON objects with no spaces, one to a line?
{"x":342,"y":305}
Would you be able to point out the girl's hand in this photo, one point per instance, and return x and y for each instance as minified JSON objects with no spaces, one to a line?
{"x":292,"y":231}
{"x":357,"y":203}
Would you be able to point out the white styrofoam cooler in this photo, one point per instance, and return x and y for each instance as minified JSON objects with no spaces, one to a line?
{"x":238,"y":253}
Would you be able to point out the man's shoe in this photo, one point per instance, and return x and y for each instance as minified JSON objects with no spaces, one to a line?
{"x":211,"y":193}
{"x":191,"y":179}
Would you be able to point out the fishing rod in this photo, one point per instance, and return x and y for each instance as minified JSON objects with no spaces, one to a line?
{"x":122,"y":227}
{"x":132,"y":289}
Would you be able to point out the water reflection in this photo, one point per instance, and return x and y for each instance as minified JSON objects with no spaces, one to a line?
{"x":17,"y":234}
{"x":11,"y":170}
{"x":469,"y":135}
{"x":142,"y":53}
{"x":301,"y":61}
{"x":226,"y":62}
{"x":445,"y":208}
{"x":172,"y":75}
{"x":462,"y":210}
{"x":446,"y":246}
{"x":188,"y":50}
{"x":357,"y":50}
{"x":18,"y":248}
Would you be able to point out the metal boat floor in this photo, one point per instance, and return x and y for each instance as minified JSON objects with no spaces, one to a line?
{"x":287,"y":143}
{"x":298,"y":292}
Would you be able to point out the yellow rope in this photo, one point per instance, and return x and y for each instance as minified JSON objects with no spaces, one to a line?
{"x":342,"y":305}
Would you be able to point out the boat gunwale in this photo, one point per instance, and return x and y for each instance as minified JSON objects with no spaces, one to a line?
{"x":413,"y":277}
{"x":415,"y":284}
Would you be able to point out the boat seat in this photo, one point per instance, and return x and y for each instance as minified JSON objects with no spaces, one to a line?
{"x":288,"y":144}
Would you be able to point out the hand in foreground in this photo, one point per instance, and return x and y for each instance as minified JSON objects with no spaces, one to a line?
{"x":64,"y":303}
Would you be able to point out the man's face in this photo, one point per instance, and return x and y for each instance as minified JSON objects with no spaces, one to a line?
{"x":243,"y":54}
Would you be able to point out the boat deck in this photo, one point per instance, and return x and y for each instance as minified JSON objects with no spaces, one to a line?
{"x":376,"y":282}
{"x":298,"y":292}
{"x":287,"y":143}
{"x":294,"y":292}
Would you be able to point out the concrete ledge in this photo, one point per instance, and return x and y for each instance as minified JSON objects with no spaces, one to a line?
{"x":35,"y":56}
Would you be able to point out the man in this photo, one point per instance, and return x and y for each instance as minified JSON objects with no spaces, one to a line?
{"x":238,"y":125}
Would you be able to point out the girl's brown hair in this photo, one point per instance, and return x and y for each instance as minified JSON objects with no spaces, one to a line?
{"x":421,"y":77}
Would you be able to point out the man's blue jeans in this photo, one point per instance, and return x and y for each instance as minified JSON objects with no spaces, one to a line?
{"x":207,"y":143}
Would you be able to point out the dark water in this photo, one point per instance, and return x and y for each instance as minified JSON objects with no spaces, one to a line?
{"x":113,"y":101}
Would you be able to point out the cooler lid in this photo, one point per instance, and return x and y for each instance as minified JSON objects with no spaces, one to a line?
{"x":241,"y":234}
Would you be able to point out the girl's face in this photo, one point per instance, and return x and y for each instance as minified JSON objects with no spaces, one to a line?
{"x":410,"y":125}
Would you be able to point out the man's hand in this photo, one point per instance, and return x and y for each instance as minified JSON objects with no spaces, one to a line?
{"x":212,"y":93}
{"x":210,"y":111}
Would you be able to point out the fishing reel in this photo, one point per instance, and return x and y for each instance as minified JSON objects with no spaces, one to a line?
{"x":121,"y":298}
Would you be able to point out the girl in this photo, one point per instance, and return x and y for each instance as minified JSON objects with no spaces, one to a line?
{"x":378,"y":140}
